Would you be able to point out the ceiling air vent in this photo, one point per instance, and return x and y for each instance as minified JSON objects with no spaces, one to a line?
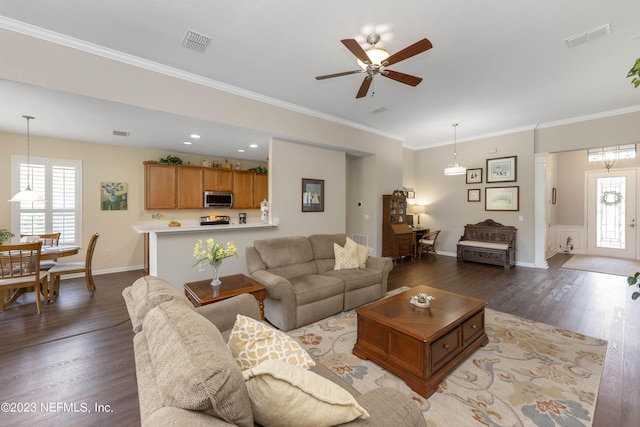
{"x":378,"y":109}
{"x":120,"y":133}
{"x":588,"y":35}
{"x":196,"y":41}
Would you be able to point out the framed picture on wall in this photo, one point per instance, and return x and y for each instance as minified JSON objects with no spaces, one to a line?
{"x":473,"y":195}
{"x":474,"y":176}
{"x":502,"y":198}
{"x":502,"y":170}
{"x":312,"y":195}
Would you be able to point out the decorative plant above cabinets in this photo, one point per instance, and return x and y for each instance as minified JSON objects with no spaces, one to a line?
{"x":635,"y":73}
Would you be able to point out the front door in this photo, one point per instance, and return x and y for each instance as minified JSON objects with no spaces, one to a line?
{"x":611,"y":213}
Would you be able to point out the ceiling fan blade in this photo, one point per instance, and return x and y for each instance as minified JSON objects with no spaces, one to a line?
{"x":357,"y":50}
{"x":364,"y":87}
{"x":402,"y":77}
{"x":346,"y":73}
{"x":408,"y":52}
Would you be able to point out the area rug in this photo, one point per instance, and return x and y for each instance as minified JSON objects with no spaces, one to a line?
{"x":530,"y":374}
{"x":600,"y":264}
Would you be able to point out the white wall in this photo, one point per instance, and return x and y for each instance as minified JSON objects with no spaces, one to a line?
{"x":290,"y":162}
{"x":446,"y":196}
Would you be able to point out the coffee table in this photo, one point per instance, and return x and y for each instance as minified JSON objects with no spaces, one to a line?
{"x":202,"y":293}
{"x":421,"y":345}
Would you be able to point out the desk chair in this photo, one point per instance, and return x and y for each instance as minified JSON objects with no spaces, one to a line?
{"x":47,"y":239}
{"x":428,"y":243}
{"x":19,"y":272}
{"x":63,"y":268}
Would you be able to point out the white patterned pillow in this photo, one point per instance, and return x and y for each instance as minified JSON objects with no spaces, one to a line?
{"x":252,"y":342}
{"x":347,"y":257}
{"x":283,"y":395}
{"x":363,"y":252}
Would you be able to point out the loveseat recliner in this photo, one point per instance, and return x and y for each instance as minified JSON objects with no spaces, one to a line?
{"x":302,"y":283}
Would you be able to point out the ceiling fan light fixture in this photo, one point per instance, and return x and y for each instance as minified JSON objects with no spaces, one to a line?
{"x":376,"y":55}
{"x":454,"y":168}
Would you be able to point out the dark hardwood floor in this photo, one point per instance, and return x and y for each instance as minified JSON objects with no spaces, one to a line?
{"x":74,"y":366}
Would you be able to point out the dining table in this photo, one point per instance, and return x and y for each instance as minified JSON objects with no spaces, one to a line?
{"x":46,"y":253}
{"x":55,"y":252}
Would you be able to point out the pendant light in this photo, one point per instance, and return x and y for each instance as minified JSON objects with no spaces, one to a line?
{"x":455,"y":168}
{"x":28,"y":195}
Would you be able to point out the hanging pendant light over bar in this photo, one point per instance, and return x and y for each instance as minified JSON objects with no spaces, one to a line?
{"x":455,"y":168}
{"x":28,"y":195}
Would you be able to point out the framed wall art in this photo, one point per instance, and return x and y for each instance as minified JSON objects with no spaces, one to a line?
{"x":473,"y":195}
{"x":312,"y":195}
{"x":502,"y":198}
{"x":503,"y":169}
{"x":474,"y":176}
{"x":113,"y":196}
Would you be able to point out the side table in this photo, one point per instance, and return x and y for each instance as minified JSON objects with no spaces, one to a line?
{"x":202,"y":293}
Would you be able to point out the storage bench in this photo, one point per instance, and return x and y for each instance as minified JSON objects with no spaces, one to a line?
{"x":488,"y":242}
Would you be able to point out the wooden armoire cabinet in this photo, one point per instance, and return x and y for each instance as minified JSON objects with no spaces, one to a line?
{"x":397,"y":236}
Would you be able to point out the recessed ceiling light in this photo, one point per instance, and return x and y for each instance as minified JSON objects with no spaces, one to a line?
{"x":240,"y":150}
{"x":187,"y":142}
{"x":194,"y":136}
{"x":254,"y":146}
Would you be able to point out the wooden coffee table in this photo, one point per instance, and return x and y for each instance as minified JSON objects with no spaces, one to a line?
{"x":421,"y":345}
{"x":202,"y":293}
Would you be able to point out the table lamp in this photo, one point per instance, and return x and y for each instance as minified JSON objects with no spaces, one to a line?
{"x":418,"y":209}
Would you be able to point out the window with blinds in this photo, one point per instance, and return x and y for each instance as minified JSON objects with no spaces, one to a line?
{"x":59,"y":180}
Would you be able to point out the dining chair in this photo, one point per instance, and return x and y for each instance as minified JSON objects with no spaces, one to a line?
{"x":63,"y":268}
{"x":19,"y":272}
{"x":428,"y":243}
{"x":47,"y":239}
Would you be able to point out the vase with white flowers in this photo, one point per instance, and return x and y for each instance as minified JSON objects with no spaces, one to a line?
{"x":213,"y":252}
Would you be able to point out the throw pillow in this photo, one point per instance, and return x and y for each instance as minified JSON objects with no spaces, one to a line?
{"x":252,"y":342}
{"x":363,"y":253}
{"x":347,"y":257}
{"x":285,"y":395}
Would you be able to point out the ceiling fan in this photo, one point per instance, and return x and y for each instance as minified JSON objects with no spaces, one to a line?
{"x":375,"y":61}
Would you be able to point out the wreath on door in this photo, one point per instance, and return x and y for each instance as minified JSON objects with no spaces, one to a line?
{"x":611,"y":198}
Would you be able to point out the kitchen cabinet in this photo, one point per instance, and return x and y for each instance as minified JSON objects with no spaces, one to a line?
{"x":159,"y":186}
{"x":189,"y":190}
{"x":216,"y":179}
{"x":243,"y":187}
{"x":260,"y":189}
{"x":172,"y":186}
{"x":182,"y":186}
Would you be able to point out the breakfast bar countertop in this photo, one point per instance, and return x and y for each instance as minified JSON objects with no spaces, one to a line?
{"x":194,"y":226}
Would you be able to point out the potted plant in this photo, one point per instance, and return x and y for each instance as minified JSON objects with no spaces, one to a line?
{"x":569,"y":246}
{"x":634,"y":281}
{"x":5,"y":235}
{"x":635,"y":73}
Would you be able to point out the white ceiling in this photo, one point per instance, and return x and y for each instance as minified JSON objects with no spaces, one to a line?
{"x":495,"y":66}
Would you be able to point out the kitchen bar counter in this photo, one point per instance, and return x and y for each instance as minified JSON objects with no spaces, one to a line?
{"x":170,"y":249}
{"x":188,"y":227}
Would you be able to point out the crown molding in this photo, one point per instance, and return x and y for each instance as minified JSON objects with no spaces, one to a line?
{"x":94,"y":49}
{"x":595,"y":116}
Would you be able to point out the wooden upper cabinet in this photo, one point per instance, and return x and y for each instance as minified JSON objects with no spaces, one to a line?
{"x":260,"y":189}
{"x":182,"y":186}
{"x":243,"y":185}
{"x":189,"y":194}
{"x":159,"y":186}
{"x":218,"y":179}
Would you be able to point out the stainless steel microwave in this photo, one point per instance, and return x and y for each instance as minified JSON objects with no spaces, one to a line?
{"x":218,"y":199}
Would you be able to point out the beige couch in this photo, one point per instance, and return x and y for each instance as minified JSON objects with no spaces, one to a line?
{"x":187,"y":376}
{"x":302,"y":284}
